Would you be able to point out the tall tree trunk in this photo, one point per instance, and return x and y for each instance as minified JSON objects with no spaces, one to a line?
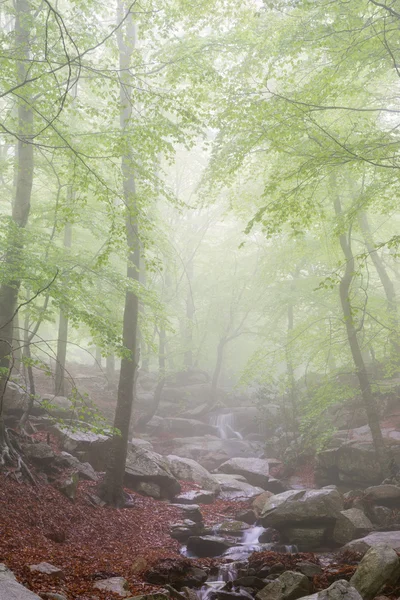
{"x":112,"y":486}
{"x":217,"y":369}
{"x":362,"y":375}
{"x":21,"y":206}
{"x":190,"y":310}
{"x":62,"y":340}
{"x":387,"y":284}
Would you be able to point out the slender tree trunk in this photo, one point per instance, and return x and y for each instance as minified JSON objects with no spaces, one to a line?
{"x":112,"y":486}
{"x":62,"y":340}
{"x":387,"y":284}
{"x":97,"y":357}
{"x":217,"y":369}
{"x":190,"y":310}
{"x":21,"y":206}
{"x":362,"y":375}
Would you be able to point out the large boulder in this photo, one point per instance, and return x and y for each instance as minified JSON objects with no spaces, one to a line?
{"x":386,"y":494}
{"x":391,"y":538}
{"x":231,"y":487}
{"x":187,"y":469}
{"x":289,"y":586}
{"x":339,"y":590}
{"x":145,"y":466}
{"x":203,"y":546}
{"x":10,"y":589}
{"x":116,"y":585}
{"x":350,"y":525}
{"x":176,"y":572}
{"x":255,"y":470}
{"x":302,"y":507}
{"x":15,"y":399}
{"x":87,"y":446}
{"x":380,"y":566}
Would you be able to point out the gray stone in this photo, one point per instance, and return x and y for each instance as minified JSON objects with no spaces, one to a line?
{"x":308,"y":568}
{"x":260,"y":501}
{"x":306,"y":538}
{"x":350,"y":525}
{"x":231,"y":528}
{"x":255,"y":470}
{"x":195,"y":497}
{"x":231,"y":487}
{"x":186,"y":427}
{"x":85,"y":469}
{"x":357,"y":462}
{"x":391,"y":538}
{"x":187,"y":469}
{"x":40,"y":452}
{"x":302,"y":506}
{"x":211,"y":451}
{"x":47,"y":569}
{"x":381,"y":515}
{"x":190,"y":511}
{"x":272,"y":591}
{"x":379,"y":567}
{"x":208,"y":545}
{"x":186,"y":529}
{"x":289,"y":586}
{"x":385,"y":493}
{"x":339,"y":590}
{"x":69,"y":486}
{"x":10,"y":589}
{"x":139,"y":443}
{"x":146,"y":466}
{"x":116,"y":585}
{"x":15,"y":399}
{"x":148,"y":488}
{"x":86,"y":445}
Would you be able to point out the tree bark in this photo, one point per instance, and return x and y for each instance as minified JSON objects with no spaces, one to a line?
{"x":111,"y":488}
{"x":361,"y":371}
{"x":62,"y":340}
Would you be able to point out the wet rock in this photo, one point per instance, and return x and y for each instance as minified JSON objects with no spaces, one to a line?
{"x":231,"y":528}
{"x":391,"y":538}
{"x":247,"y":516}
{"x":187,"y":469}
{"x":308,"y":569}
{"x":381,"y":515}
{"x":47,"y":569}
{"x":250,"y":581}
{"x":178,"y":573}
{"x":350,"y":525}
{"x":351,"y":497}
{"x":383,"y":494}
{"x":140,"y":443}
{"x":189,"y":593}
{"x":260,"y":501}
{"x":191,"y":511}
{"x":195,"y":497}
{"x":306,"y":538}
{"x":146,"y":466}
{"x":275,"y":486}
{"x":301,"y":507}
{"x":208,"y":545}
{"x":85,"y":470}
{"x":186,"y":529}
{"x":255,"y":470}
{"x":211,"y":451}
{"x":269,"y":535}
{"x":69,"y":486}
{"x":380,"y":566}
{"x":339,"y":590}
{"x":289,"y":586}
{"x":116,"y":585}
{"x":40,"y":452}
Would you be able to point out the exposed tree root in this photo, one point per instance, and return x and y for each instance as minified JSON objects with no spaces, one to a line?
{"x":11,"y":461}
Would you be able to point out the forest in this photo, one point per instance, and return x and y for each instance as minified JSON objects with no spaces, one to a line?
{"x":200,"y":300}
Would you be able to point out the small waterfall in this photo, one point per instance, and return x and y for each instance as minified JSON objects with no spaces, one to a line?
{"x":226,"y":573}
{"x":225,"y":423}
{"x":250,"y":536}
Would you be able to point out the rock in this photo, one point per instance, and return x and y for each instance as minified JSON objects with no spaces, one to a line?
{"x":255,"y":470}
{"x":155,"y":596}
{"x":207,"y":546}
{"x":39,"y":452}
{"x":69,"y":486}
{"x":10,"y":589}
{"x":53,"y":596}
{"x":351,"y":497}
{"x":301,"y":507}
{"x":148,"y":488}
{"x":275,"y":486}
{"x":138,"y":565}
{"x":250,"y":581}
{"x":89,"y":447}
{"x":187,"y":469}
{"x":189,"y":593}
{"x":177,"y":573}
{"x":289,"y":586}
{"x":85,"y":470}
{"x":383,"y":494}
{"x":146,"y":466}
{"x":231,"y":595}
{"x":350,"y":525}
{"x":186,"y":529}
{"x":195,"y":497}
{"x":139,"y":443}
{"x":269,"y":536}
{"x":381,"y":515}
{"x":211,"y":451}
{"x":47,"y":569}
{"x":357,"y":462}
{"x":223,"y":478}
{"x":231,"y":487}
{"x":391,"y":538}
{"x":339,"y":590}
{"x":259,"y":502}
{"x":308,"y":569}
{"x":231,"y":528}
{"x":247,"y":516}
{"x":306,"y":538}
{"x":15,"y":399}
{"x":191,"y":511}
{"x":116,"y":585}
{"x":179,"y":427}
{"x":380,"y":566}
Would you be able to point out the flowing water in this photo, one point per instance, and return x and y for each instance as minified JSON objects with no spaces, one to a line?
{"x":225,"y":423}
